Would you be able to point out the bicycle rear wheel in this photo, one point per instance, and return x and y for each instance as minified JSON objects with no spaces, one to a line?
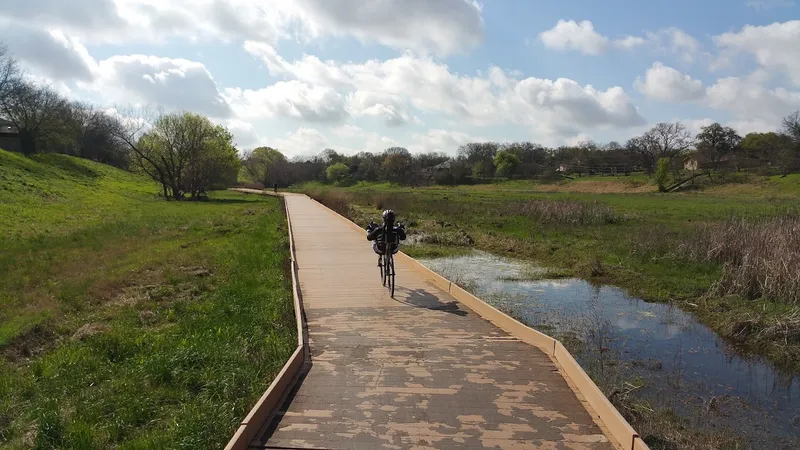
{"x":391,"y":274}
{"x":385,"y":269}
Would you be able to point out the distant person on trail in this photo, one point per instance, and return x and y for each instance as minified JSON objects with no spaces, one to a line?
{"x":377,"y":234}
{"x":275,"y":187}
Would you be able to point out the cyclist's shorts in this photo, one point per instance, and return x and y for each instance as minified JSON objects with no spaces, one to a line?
{"x":379,"y":248}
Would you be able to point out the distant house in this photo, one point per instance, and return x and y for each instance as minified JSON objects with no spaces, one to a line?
{"x":443,"y":166}
{"x":563,"y":168}
{"x":690,"y":163}
{"x":7,"y":127}
{"x":9,"y":136}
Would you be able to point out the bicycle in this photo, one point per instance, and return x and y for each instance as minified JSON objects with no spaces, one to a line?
{"x":388,"y":273}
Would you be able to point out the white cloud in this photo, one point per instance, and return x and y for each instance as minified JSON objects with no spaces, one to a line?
{"x":438,"y":140}
{"x":666,"y":84}
{"x":696,"y":125}
{"x":630,"y":42}
{"x":292,"y":99}
{"x":582,"y":37}
{"x":301,"y":142}
{"x":50,"y":52}
{"x":430,"y":87}
{"x":175,"y":84}
{"x":677,"y":42}
{"x":392,"y":109}
{"x":571,"y":35}
{"x":749,"y":101}
{"x":774,"y":46}
{"x":245,"y":135}
{"x":441,"y":27}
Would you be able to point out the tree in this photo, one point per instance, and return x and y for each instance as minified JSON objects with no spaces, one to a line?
{"x":668,"y":139}
{"x":480,"y":155}
{"x":790,"y":153}
{"x":9,"y":71}
{"x":764,"y":146}
{"x":38,"y":113}
{"x":507,"y":163}
{"x":640,"y":147}
{"x":369,"y":167}
{"x":263,"y":165}
{"x":397,"y":167}
{"x":791,"y":127}
{"x":214,"y":165}
{"x":662,"y":174}
{"x":337,"y":172}
{"x":330,"y":157}
{"x":92,"y":134}
{"x":714,"y":142}
{"x":184,"y":152}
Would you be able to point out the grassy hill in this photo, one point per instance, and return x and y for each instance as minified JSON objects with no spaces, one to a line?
{"x":129,"y":321}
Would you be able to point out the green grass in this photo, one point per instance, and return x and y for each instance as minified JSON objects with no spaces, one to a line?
{"x":635,"y":248}
{"x":127,"y":321}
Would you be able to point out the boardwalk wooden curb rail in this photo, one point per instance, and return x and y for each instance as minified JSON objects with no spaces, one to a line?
{"x":285,"y":379}
{"x":616,"y":426}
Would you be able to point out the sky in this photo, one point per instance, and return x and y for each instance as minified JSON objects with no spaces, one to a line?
{"x":428,"y":75}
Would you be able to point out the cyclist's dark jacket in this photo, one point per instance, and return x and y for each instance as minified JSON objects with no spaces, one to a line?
{"x":376,"y":233}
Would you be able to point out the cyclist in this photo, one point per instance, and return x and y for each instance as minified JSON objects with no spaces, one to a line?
{"x":376,"y":233}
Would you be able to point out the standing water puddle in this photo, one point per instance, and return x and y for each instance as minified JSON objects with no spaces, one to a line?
{"x":684,"y":365}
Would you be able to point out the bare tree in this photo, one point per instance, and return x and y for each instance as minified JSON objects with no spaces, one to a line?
{"x":791,"y":126}
{"x":131,"y":126}
{"x":668,"y":139}
{"x":92,"y":132}
{"x":9,"y":71}
{"x":38,"y":113}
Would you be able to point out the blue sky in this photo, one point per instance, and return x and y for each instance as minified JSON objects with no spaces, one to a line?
{"x":427,"y":75}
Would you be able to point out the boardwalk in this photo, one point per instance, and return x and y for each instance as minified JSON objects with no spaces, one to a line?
{"x":418,"y":371}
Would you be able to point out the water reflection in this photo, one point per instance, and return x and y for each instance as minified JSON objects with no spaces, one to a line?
{"x":685,"y":365}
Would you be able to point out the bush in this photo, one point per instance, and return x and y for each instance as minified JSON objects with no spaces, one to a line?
{"x":662,"y":174}
{"x":337,"y":172}
{"x":760,"y":258}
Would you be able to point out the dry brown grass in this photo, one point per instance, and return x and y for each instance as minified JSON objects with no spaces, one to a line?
{"x":335,"y":200}
{"x":561,"y":212}
{"x":760,"y":257}
{"x":598,"y":187}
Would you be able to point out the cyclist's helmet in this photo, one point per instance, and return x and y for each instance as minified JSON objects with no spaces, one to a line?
{"x":388,"y":216}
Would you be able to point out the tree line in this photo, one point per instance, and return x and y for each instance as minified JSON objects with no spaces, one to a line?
{"x":668,"y":146}
{"x":187,"y":154}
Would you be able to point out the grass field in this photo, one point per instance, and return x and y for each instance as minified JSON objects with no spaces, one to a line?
{"x":131,"y":322}
{"x":723,"y":250}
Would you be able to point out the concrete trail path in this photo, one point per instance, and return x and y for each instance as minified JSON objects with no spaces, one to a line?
{"x":417,"y":371}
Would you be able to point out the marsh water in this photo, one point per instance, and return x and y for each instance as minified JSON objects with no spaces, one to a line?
{"x":667,"y":356}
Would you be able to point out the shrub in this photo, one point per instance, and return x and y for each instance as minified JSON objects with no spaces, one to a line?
{"x":662,"y":174}
{"x":562,"y":212}
{"x":760,"y":258}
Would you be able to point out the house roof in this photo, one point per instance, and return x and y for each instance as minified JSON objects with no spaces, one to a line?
{"x":444,"y":165}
